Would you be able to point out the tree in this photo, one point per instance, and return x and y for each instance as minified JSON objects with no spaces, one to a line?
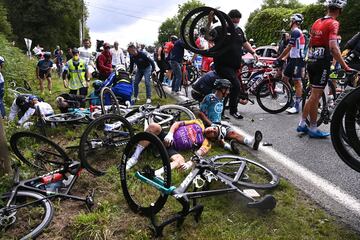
{"x":4,"y":153}
{"x":171,"y":26}
{"x":47,"y":22}
{"x":281,"y":3}
{"x":5,"y":26}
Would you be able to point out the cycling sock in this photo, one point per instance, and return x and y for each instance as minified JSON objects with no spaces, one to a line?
{"x":313,"y":127}
{"x":227,"y":146}
{"x":137,"y":152}
{"x":159,"y":172}
{"x":249,"y":141}
{"x":297,"y":102}
{"x":302,"y":123}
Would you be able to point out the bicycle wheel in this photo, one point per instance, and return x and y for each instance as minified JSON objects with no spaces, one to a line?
{"x":65,"y":117}
{"x":142,"y":197}
{"x":273,"y":96}
{"x":192,"y":73}
{"x":27,"y":85}
{"x":38,"y":151}
{"x":322,"y":112}
{"x":179,"y":113}
{"x":27,"y":216}
{"x":103,"y":142}
{"x":341,"y":129}
{"x":108,"y":101}
{"x":157,"y":85}
{"x":253,"y":174}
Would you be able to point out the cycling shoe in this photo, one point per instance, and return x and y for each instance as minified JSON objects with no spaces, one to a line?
{"x":318,"y":134}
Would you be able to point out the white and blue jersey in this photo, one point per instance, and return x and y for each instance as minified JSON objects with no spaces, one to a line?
{"x":297,"y":42}
{"x":212,"y":107}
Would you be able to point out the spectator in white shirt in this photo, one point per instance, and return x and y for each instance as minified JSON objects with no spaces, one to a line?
{"x":118,"y":57}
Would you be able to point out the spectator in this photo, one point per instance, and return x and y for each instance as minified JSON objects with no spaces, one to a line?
{"x":145,"y":66}
{"x":69,"y":54}
{"x":117,"y":55}
{"x":43,"y":70}
{"x":85,"y":52}
{"x":175,"y":60}
{"x":59,"y":61}
{"x":103,"y":62}
{"x":76,"y":75}
{"x":159,"y":57}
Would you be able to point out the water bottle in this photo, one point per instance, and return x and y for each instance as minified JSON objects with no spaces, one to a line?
{"x":258,"y":79}
{"x":52,"y":178}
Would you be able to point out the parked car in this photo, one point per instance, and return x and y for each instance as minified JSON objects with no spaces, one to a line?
{"x":267,"y":55}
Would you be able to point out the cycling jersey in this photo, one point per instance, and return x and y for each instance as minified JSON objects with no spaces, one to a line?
{"x":297,"y":42}
{"x":322,"y":31}
{"x":212,"y":107}
{"x":189,"y":135}
{"x":1,"y":78}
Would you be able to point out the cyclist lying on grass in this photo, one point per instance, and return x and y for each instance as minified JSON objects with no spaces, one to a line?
{"x":183,"y":135}
{"x":210,"y":113}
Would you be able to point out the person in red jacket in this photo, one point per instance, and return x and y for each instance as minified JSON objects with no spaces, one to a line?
{"x":103,"y":62}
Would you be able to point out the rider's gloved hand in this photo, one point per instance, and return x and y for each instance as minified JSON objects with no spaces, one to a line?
{"x":169,"y":139}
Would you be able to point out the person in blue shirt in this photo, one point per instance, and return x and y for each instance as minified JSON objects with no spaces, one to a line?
{"x":145,"y":67}
{"x":175,"y":59}
{"x":43,"y":70}
{"x":210,"y":113}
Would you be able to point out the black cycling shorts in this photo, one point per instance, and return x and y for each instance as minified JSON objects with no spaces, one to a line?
{"x":294,"y":68}
{"x":197,"y":95}
{"x":42,"y":74}
{"x":319,"y":72}
{"x":170,"y":150}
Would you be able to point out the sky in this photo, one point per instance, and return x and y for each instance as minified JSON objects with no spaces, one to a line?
{"x":139,"y":20}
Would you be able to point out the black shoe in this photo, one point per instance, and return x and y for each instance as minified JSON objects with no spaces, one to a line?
{"x":257,"y":140}
{"x":235,"y":146}
{"x":237,"y":115}
{"x":224,"y":117}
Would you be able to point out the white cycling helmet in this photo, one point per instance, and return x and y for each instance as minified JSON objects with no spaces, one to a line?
{"x":120,"y":68}
{"x":2,"y":59}
{"x":297,"y":17}
{"x":336,"y":3}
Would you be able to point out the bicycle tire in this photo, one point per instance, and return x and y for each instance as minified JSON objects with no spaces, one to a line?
{"x":101,"y":148}
{"x":38,"y":152}
{"x":65,"y":117}
{"x":190,"y":43}
{"x":30,"y":232}
{"x":345,"y":150}
{"x":115,"y":108}
{"x":192,"y":73}
{"x":157,"y":85}
{"x":250,"y":177}
{"x":179,"y":113}
{"x":322,"y":102}
{"x":271,"y":100}
{"x":141,"y":197}
{"x":27,"y":85}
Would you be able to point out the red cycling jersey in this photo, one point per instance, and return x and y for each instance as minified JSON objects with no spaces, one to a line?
{"x":324,"y":30}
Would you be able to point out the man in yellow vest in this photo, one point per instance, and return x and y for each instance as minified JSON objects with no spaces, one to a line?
{"x":76,"y":75}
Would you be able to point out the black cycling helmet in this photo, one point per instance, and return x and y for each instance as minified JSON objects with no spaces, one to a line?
{"x":20,"y":100}
{"x":97,"y":84}
{"x":234,"y":13}
{"x":75,"y":50}
{"x":47,"y":55}
{"x":222,"y":83}
{"x":173,"y":38}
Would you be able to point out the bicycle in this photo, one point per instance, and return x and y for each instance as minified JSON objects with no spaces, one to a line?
{"x":146,"y":192}
{"x":26,"y":210}
{"x":272,"y":94}
{"x":326,"y":104}
{"x":105,"y":138}
{"x":343,"y":128}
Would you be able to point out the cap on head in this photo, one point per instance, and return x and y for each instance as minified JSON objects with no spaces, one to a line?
{"x":106,"y":45}
{"x":75,"y":50}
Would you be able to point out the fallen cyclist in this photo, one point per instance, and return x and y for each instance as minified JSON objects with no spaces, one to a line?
{"x":183,"y":135}
{"x":210,"y":113}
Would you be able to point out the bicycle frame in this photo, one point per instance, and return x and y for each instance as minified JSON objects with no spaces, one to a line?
{"x":207,"y":168}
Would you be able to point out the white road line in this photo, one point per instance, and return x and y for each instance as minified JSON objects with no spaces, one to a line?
{"x":333,"y":191}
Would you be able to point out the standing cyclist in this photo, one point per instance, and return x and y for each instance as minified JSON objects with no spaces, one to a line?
{"x":323,"y":46}
{"x":295,"y":66}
